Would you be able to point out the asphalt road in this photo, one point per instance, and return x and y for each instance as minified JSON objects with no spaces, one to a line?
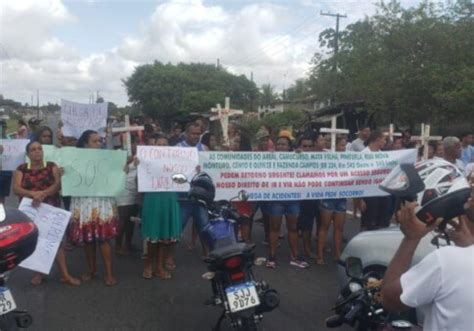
{"x":176,"y":304}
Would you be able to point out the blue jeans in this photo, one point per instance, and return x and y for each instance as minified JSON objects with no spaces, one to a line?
{"x":196,"y":211}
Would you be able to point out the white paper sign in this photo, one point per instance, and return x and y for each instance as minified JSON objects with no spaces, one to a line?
{"x":79,"y":117}
{"x":52,"y":223}
{"x":13,"y":153}
{"x":301,"y":176}
{"x":158,"y":164}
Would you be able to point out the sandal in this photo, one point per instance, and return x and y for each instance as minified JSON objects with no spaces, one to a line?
{"x":299,"y":263}
{"x":36,"y":280}
{"x":320,"y":262}
{"x":88,"y":276}
{"x":163,"y":274}
{"x":110,"y":281}
{"x":147,"y":274}
{"x":270,"y":264}
{"x":170,"y":266}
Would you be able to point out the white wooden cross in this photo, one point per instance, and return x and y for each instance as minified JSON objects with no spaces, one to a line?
{"x":425,"y":138}
{"x":127,"y":129}
{"x":334,"y":131}
{"x":391,"y":133}
{"x":223,"y":115}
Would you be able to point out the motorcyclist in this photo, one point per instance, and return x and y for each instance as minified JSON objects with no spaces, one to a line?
{"x":441,"y":284}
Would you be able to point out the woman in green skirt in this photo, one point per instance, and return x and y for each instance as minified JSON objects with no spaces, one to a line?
{"x":161,"y":226}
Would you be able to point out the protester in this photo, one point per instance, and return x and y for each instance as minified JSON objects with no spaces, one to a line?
{"x":332,"y":210}
{"x":452,"y":151}
{"x":309,"y":209}
{"x":127,"y":205}
{"x":359,"y":144}
{"x":40,"y":181}
{"x":209,"y":140}
{"x":319,"y":143}
{"x":192,"y":209}
{"x":94,"y":222}
{"x":176,"y":135}
{"x":161,"y":226}
{"x":22,"y":130}
{"x":289,"y":209}
{"x":406,"y":137}
{"x":441,"y":283}
{"x":467,"y":151}
{"x":44,"y":135}
{"x":376,"y":211}
{"x":264,"y":144}
{"x":243,"y":208}
{"x":5,"y":176}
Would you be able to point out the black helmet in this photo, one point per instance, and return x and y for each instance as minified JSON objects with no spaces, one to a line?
{"x":18,"y":237}
{"x":202,"y":188}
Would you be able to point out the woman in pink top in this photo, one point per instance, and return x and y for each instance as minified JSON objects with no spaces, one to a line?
{"x":22,"y":132}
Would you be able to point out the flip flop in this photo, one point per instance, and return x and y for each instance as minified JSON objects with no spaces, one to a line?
{"x":110,"y":283}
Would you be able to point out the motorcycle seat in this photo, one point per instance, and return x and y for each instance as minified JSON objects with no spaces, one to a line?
{"x":229,"y":250}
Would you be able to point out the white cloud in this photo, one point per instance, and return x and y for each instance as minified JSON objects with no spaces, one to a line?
{"x":276,"y":42}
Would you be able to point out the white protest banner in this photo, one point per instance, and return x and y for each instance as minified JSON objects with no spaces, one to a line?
{"x":301,"y":176}
{"x":13,"y":153}
{"x":52,"y":223}
{"x":79,"y":117}
{"x":158,"y":164}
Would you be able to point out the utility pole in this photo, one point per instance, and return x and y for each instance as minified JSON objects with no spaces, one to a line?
{"x":336,"y":45}
{"x":37,"y":103}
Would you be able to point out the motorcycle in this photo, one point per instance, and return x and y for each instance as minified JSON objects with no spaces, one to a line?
{"x":360,"y":304}
{"x":244,"y":299}
{"x":18,"y":238}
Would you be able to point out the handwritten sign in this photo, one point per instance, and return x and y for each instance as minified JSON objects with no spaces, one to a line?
{"x":13,"y":153}
{"x":301,"y":176}
{"x":52,"y":223}
{"x":158,"y":164}
{"x":78,"y":117}
{"x":92,"y":172}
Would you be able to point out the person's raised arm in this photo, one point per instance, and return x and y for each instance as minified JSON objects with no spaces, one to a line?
{"x":413,"y":230}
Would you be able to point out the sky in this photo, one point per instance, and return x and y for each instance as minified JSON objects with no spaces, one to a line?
{"x":70,"y":49}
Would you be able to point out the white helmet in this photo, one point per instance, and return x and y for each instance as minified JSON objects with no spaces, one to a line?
{"x":439,"y":188}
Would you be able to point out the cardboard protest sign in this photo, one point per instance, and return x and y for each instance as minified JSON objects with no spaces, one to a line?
{"x":52,"y":223}
{"x":158,"y":164}
{"x":78,"y":117}
{"x":92,"y":172}
{"x":301,"y":176}
{"x":13,"y":153}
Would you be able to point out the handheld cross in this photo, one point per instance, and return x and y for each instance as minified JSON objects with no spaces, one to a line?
{"x":223,"y":115}
{"x":127,"y":129}
{"x":334,"y":131}
{"x":425,"y":138}
{"x":391,"y":133}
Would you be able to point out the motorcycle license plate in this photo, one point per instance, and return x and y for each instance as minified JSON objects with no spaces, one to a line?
{"x":242,"y":296}
{"x":7,"y":304}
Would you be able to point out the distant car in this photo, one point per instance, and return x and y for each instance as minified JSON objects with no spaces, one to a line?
{"x":376,"y":249}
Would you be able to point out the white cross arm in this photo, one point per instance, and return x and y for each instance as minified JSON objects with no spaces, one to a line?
{"x":394,"y":134}
{"x":340,"y":131}
{"x":128,"y":129}
{"x":421,"y":138}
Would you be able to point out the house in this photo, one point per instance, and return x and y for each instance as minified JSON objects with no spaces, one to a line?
{"x":306,"y":104}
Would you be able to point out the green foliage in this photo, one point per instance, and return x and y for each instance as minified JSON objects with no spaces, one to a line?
{"x":166,"y":91}
{"x":288,"y":119}
{"x":267,"y":95}
{"x":409,"y":65}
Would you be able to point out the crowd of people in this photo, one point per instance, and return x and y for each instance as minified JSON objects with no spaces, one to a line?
{"x":163,"y":216}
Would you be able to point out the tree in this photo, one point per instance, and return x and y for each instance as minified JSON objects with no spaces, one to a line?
{"x":299,"y":90}
{"x":267,"y":95}
{"x":169,"y":91}
{"x":409,"y":65}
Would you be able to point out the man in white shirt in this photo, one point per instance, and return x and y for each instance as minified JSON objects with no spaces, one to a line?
{"x":452,"y":151}
{"x":441,"y":284}
{"x":359,"y":144}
